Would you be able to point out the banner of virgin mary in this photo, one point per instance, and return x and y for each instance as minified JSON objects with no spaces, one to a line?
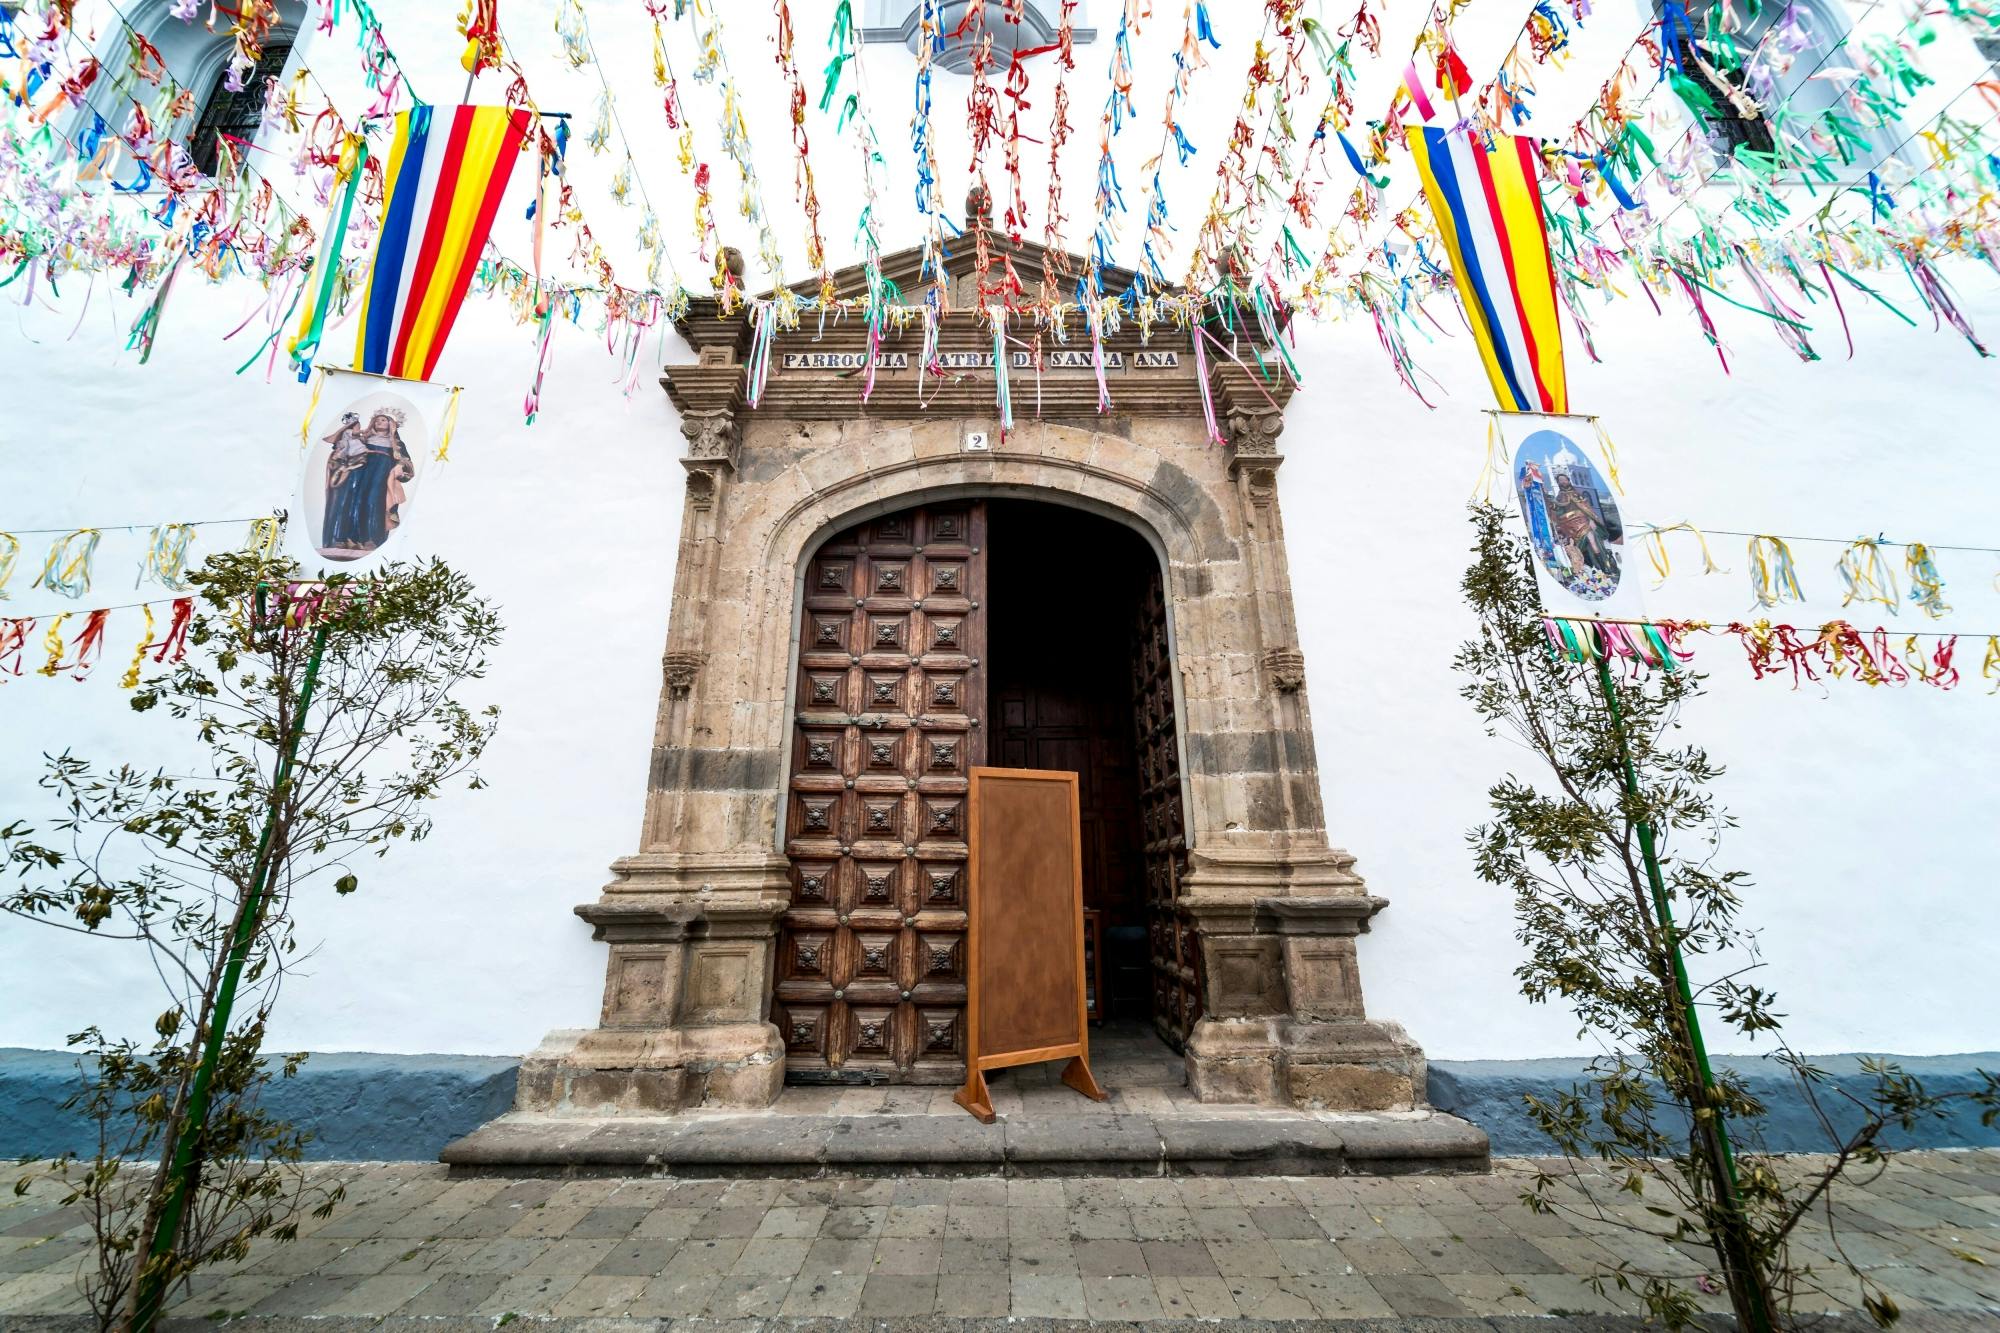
{"x":366,"y":447}
{"x":1583,"y":566}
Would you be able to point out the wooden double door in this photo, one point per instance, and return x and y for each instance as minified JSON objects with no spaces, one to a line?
{"x":892,"y":714}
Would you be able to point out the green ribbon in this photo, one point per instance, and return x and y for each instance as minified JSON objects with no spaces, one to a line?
{"x":1856,"y":282}
{"x":327,"y":267}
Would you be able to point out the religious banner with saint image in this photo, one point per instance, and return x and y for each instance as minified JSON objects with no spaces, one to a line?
{"x":366,"y":447}
{"x":1583,"y":567}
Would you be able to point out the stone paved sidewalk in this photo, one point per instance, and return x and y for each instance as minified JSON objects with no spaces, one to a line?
{"x":412,"y":1242}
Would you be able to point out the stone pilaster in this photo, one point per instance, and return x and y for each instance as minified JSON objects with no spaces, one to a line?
{"x":692,"y":919}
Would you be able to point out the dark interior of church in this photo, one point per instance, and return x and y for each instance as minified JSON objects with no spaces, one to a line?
{"x":1068,"y":592}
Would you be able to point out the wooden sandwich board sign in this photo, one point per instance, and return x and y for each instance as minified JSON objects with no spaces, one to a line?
{"x":1025,"y":997}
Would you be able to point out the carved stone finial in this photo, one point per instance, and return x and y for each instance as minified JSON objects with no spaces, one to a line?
{"x":979,"y":206}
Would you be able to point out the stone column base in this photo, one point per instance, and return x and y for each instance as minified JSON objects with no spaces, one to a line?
{"x":1326,"y":1065}
{"x":1285,"y":1023}
{"x":600,"y":1071}
{"x":687,"y":996}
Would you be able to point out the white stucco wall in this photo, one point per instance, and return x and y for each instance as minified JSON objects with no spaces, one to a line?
{"x":1867,"y":814}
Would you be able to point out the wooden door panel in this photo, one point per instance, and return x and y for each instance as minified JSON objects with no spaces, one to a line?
{"x":1176,"y":961}
{"x":871,"y":977}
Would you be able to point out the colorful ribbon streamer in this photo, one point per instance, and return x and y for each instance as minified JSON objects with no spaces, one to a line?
{"x":67,"y":569}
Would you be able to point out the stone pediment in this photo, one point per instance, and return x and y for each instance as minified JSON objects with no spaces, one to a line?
{"x":961,"y":264}
{"x":817,"y":371}
{"x":1032,"y":262}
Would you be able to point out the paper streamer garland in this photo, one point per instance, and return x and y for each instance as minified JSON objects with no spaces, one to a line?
{"x":1837,"y":650}
{"x":67,"y":569}
{"x":1773,"y":576}
{"x":1867,"y":576}
{"x":85,"y":649}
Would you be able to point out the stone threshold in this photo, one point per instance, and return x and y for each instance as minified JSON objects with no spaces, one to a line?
{"x":1245,"y":1141}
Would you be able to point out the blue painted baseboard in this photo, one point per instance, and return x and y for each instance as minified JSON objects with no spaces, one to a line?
{"x":1489,"y":1094}
{"x":407,"y":1107}
{"x":360,"y":1107}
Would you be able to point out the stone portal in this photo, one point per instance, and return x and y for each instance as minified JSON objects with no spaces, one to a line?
{"x":694,"y":918}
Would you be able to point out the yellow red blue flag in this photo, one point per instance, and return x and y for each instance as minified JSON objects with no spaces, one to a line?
{"x":446,"y":172}
{"x":1489,"y":211}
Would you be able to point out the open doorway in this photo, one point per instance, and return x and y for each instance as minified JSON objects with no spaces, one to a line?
{"x":1079,"y":678}
{"x":932,"y":640}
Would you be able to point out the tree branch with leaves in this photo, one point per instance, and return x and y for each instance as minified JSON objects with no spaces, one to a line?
{"x":1611,"y":854}
{"x":327,"y":718}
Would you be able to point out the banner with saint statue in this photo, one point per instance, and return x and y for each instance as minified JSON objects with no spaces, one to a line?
{"x":367,"y":443}
{"x":1584,"y":569}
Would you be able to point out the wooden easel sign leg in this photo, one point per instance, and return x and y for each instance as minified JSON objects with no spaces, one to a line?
{"x":1025,"y":996}
{"x":974,"y":1096}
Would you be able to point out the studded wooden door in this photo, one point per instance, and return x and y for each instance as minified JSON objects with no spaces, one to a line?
{"x":870,"y":980}
{"x":1176,"y":952}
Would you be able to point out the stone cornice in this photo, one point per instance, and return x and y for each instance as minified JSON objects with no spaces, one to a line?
{"x":1251,"y":408}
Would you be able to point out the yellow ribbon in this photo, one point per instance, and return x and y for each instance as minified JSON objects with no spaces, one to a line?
{"x":1496,"y":465}
{"x":167,"y":555}
{"x":1610,"y":455}
{"x":1990,"y":669}
{"x":1867,"y":577}
{"x":447,"y":425}
{"x":1655,"y":539}
{"x":1772,"y":576}
{"x":264,"y":536}
{"x":312,"y":408}
{"x":130,"y":680}
{"x":53,"y":642}
{"x":10,"y":546}
{"x":67,"y":570}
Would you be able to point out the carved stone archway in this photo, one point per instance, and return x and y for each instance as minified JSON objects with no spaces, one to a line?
{"x":691,"y":917}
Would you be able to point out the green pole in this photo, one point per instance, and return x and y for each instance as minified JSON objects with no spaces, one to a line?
{"x":152,"y":1285}
{"x":1713,"y":1125}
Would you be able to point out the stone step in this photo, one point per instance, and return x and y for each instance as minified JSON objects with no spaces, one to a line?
{"x":1043,"y":1144}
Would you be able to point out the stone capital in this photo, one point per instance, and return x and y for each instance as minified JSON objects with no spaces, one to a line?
{"x":712,"y":439}
{"x":681,"y":669}
{"x":1286,"y":668}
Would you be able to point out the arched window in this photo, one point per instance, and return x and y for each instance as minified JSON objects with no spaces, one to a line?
{"x":197,"y":60}
{"x":1782,"y":45}
{"x":236,"y":115}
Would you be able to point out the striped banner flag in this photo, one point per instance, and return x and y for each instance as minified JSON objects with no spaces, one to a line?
{"x":447,"y":168}
{"x":1489,"y":211}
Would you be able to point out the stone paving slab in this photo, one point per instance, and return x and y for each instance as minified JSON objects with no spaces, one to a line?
{"x":416,"y":1248}
{"x":1913,"y":1322}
